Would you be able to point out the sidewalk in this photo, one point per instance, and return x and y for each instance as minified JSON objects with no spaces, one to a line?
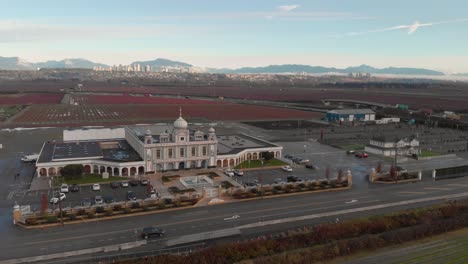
{"x":39,"y":184}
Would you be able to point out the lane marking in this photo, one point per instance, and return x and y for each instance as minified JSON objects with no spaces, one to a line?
{"x":412,"y":192}
{"x":437,"y":188}
{"x":458,"y":184}
{"x":352,"y":201}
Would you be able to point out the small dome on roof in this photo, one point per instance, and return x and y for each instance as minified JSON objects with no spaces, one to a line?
{"x":212,"y":130}
{"x":148,"y":132}
{"x":180,"y":123}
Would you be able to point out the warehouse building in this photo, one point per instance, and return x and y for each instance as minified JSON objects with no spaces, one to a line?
{"x":350,"y":115}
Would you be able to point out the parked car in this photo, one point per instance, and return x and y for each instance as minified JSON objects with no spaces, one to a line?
{"x":250,"y":184}
{"x":108,"y":199}
{"x":287,"y":168}
{"x":287,"y":156}
{"x":64,"y":188}
{"x":296,"y":160}
{"x":229,"y":172}
{"x":238,"y":172}
{"x":361,"y":155}
{"x":131,"y":196}
{"x":86,"y":202}
{"x":98,"y":200}
{"x":152,"y":231}
{"x":311,"y":166}
{"x":152,"y":194}
{"x":31,"y":157}
{"x":133,"y":183}
{"x":75,"y":188}
{"x":401,"y":169}
{"x":114,"y":185}
{"x":58,"y":197}
{"x":144,"y":182}
{"x":279,"y":181}
{"x":350,"y":152}
{"x":124,"y":184}
{"x":294,"y":178}
{"x":96,"y":187}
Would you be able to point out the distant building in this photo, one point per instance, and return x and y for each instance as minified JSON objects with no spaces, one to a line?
{"x":385,"y":146}
{"x":349,"y":115}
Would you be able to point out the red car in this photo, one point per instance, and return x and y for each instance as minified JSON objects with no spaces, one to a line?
{"x":362,"y":155}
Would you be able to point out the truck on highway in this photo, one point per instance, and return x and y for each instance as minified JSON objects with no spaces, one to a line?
{"x":30,"y":157}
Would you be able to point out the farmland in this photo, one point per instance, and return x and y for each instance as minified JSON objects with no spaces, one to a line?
{"x":65,"y":115}
{"x":133,"y":99}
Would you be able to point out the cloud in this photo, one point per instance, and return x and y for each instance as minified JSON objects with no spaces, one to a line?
{"x":288,"y":8}
{"x":411,"y":29}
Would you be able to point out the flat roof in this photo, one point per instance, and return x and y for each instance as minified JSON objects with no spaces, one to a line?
{"x":112,"y":150}
{"x":351,"y":111}
{"x":232,"y":144}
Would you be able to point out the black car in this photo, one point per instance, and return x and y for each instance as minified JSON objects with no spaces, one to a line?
{"x":108,"y":199}
{"x":131,"y":196}
{"x":133,"y":183}
{"x":75,"y":188}
{"x":310,"y":166}
{"x":114,"y":185}
{"x":287,"y":156}
{"x":294,"y":178}
{"x":148,"y":232}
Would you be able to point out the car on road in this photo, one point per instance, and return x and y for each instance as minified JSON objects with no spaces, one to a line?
{"x":124,"y":184}
{"x":133,"y":183}
{"x":361,"y":155}
{"x":238,"y":173}
{"x":287,"y":168}
{"x":64,"y":188}
{"x":75,"y":188}
{"x":58,"y":197}
{"x":108,"y":199}
{"x":98,"y":200}
{"x":294,"y":178}
{"x":86,"y":202}
{"x":114,"y":185}
{"x":31,"y":157}
{"x":303,"y":161}
{"x":144,"y":182}
{"x":401,"y":169}
{"x":229,"y":173}
{"x":96,"y":187}
{"x":131,"y":196}
{"x":350,"y":152}
{"x":152,"y":231}
{"x":287,"y":156}
{"x":311,"y":166}
{"x":296,"y":160}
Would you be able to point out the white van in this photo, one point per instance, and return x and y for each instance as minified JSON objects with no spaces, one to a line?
{"x":30,"y":157}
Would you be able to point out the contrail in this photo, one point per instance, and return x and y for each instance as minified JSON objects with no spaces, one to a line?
{"x":410,"y":28}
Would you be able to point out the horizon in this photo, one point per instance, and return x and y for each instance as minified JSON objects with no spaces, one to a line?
{"x":212,"y":34}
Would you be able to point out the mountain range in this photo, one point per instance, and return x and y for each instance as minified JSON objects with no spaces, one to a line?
{"x":16,"y":63}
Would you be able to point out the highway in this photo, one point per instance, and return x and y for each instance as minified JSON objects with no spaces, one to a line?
{"x":322,"y":206}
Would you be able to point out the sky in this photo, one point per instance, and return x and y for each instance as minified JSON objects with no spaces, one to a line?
{"x":235,"y":33}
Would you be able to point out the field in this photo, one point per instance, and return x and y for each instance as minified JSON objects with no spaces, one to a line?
{"x":29,"y":99}
{"x":65,"y":115}
{"x":134,"y":99}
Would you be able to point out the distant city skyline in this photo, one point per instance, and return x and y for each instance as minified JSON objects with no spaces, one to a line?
{"x":232,"y":34}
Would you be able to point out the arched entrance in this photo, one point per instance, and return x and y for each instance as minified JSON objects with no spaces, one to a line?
{"x":87,"y":169}
{"x":193,"y":165}
{"x":59,"y":171}
{"x":43,"y":172}
{"x":141,"y":170}
{"x":95,"y":169}
{"x":225,"y":163}
{"x":204,"y":164}
{"x":109,"y":170}
{"x":125,"y":172}
{"x":133,"y":171}
{"x":159,"y":168}
{"x":249,"y":156}
{"x":116,"y":172}
{"x":255,"y":156}
{"x":219,"y":164}
{"x":231,"y":163}
{"x":52,"y":171}
{"x":169,"y":166}
{"x":102,"y":170}
{"x":182,"y":166}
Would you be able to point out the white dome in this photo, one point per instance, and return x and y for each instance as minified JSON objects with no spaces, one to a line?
{"x":180,"y":123}
{"x":212,"y":130}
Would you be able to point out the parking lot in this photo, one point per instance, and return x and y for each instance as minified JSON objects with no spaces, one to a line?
{"x":322,"y":157}
{"x":75,"y":198}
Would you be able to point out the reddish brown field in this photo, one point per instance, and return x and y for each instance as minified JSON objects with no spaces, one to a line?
{"x":132,"y":99}
{"x":64,"y":115}
{"x":28,"y":99}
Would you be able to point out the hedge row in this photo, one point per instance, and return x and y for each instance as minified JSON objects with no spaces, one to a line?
{"x":327,"y":241}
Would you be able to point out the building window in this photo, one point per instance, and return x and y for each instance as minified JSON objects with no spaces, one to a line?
{"x":182,"y":138}
{"x":204,"y":151}
{"x":194,"y":152}
{"x":170,"y":153}
{"x":182,"y":152}
{"x":158,"y":154}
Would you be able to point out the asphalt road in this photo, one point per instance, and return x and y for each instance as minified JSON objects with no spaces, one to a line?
{"x":22,"y":243}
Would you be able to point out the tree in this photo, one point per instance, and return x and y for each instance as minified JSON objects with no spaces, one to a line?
{"x":339,"y":179}
{"x":72,"y":172}
{"x":268,"y":155}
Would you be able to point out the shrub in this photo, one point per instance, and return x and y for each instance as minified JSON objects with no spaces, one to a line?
{"x":117,"y":207}
{"x":31,"y":221}
{"x":145,"y":207}
{"x":162,"y":205}
{"x":135,"y":205}
{"x":64,"y":214}
{"x":100,"y":209}
{"x":51,"y":219}
{"x":278,"y":188}
{"x":127,"y":210}
{"x":72,"y":171}
{"x":109,"y":212}
{"x":72,"y":217}
{"x":302,"y":185}
{"x":91,"y":214}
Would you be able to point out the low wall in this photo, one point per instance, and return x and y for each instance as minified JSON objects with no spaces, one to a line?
{"x":438,"y":157}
